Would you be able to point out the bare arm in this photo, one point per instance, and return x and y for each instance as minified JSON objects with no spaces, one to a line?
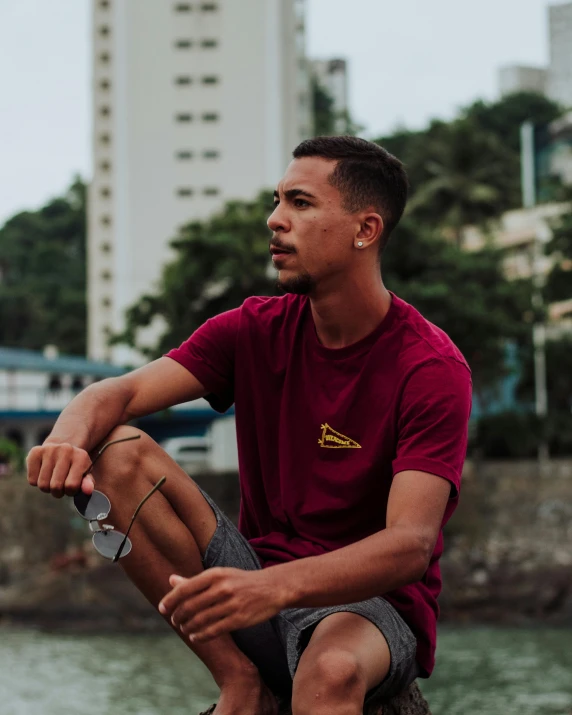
{"x":394,"y":557}
{"x":91,"y":415}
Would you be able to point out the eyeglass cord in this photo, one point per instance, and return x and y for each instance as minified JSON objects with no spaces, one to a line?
{"x":122,"y":545}
{"x":105,"y":446}
{"x":155,"y":488}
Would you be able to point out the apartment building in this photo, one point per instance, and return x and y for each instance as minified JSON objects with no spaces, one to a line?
{"x":194,"y":103}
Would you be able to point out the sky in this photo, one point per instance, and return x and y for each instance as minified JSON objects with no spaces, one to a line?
{"x":409,"y":61}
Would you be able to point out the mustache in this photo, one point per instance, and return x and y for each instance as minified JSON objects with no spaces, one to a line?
{"x":275,"y":243}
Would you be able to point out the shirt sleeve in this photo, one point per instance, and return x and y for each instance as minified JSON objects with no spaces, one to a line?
{"x":433,"y":420}
{"x":209,"y":354}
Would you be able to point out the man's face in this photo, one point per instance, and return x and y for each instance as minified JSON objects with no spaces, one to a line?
{"x":313,"y":237}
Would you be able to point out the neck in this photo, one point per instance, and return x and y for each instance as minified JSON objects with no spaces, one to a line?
{"x":349,"y":312}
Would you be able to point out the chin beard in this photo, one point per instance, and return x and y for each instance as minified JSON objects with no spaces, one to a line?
{"x":302,"y":284}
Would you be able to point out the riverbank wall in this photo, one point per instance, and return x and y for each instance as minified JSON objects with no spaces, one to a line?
{"x":508,"y":553}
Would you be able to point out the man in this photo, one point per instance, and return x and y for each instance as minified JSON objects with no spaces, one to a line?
{"x":351,"y":415}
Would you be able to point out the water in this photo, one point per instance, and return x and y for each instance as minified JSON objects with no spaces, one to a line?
{"x":481,"y":671}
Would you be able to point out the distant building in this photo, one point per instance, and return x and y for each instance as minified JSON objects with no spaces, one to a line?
{"x":35,"y":387}
{"x":555,"y":81}
{"x":332,"y":75}
{"x":522,"y":235}
{"x":520,"y":78}
{"x":560,"y":71}
{"x":194,"y":103}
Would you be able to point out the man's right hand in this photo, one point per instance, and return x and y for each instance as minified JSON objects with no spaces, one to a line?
{"x":58,"y":469}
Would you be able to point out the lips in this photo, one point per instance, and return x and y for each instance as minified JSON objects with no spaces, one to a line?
{"x":279,"y":251}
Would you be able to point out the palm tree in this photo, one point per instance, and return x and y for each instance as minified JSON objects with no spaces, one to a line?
{"x":466,"y":171}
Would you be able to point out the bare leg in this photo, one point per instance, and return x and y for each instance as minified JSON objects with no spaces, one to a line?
{"x":171,"y":532}
{"x":346,"y":656}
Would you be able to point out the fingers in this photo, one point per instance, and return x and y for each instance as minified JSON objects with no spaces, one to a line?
{"x":33,"y":463}
{"x":46,"y":469}
{"x":87,"y":485}
{"x":75,"y":479}
{"x":188,"y":611}
{"x":214,"y":622}
{"x":186,"y":588}
{"x":58,"y":469}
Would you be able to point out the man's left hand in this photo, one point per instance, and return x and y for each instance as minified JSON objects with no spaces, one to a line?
{"x":221,"y":600}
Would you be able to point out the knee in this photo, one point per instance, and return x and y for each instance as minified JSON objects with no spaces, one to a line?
{"x":332,"y":679}
{"x":120,"y":464}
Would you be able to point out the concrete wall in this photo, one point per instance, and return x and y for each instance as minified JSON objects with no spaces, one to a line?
{"x":508,"y":547}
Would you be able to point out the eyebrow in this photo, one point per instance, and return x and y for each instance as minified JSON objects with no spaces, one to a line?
{"x":294,"y":193}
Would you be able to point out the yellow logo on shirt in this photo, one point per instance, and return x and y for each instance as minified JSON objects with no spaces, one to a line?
{"x":335,"y":440}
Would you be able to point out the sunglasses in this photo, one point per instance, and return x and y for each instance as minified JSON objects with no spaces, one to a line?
{"x":95,"y":507}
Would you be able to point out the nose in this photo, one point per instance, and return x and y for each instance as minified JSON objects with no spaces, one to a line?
{"x":277,"y":221}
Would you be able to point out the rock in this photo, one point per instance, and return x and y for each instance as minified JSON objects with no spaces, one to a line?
{"x":409,"y":702}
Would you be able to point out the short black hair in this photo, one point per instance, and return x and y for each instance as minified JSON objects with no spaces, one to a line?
{"x":365,"y":175}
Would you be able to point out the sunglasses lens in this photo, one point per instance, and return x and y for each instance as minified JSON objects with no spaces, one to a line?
{"x":94,"y":506}
{"x":108,"y":541}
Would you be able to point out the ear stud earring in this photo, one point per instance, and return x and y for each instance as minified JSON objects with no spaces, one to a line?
{"x":360,"y":244}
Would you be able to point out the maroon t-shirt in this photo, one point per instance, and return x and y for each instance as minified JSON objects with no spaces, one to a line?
{"x":321,"y":432}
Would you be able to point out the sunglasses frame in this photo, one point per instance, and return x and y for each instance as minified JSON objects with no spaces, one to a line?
{"x":126,"y":545}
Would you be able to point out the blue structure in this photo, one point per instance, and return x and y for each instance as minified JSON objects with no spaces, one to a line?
{"x":36,"y":386}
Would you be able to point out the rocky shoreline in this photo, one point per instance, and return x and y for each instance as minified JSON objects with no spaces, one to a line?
{"x":507,"y":560}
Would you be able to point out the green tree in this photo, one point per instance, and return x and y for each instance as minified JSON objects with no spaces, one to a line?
{"x":222,"y":261}
{"x":468,"y":170}
{"x":505,"y":117}
{"x":465,"y":294}
{"x":464,"y":181}
{"x":42,"y":275}
{"x":219,"y":263}
{"x":558,"y":423}
{"x":559,"y":281}
{"x":322,"y":109}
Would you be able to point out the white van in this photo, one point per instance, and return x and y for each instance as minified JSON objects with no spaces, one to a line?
{"x":191,"y":453}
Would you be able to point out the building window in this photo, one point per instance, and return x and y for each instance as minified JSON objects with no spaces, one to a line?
{"x":209,"y":44}
{"x":211,"y":154}
{"x":106,"y":302}
{"x":104,"y":4}
{"x":104,"y":31}
{"x":184,"y":154}
{"x":105,"y":111}
{"x":105,"y":192}
{"x":106,"y":220}
{"x":104,"y":84}
{"x":183,"y":44}
{"x":209,"y":7}
{"x":106,"y":247}
{"x":104,"y":138}
{"x":210,"y":79}
{"x":104,"y":57}
{"x":14,"y":435}
{"x":211,"y":191}
{"x":106,"y":275}
{"x":55,"y":383}
{"x":184,"y":191}
{"x":210,"y":117}
{"x":104,"y":165}
{"x":184,"y":117}
{"x":183,"y":80}
{"x":183,"y":7}
{"x":77,"y":383}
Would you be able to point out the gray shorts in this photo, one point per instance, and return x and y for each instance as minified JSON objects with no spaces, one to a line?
{"x":275,"y":646}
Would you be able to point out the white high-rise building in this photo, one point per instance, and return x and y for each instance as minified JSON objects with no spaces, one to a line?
{"x":194,"y":103}
{"x":560,"y":70}
{"x":521,"y":78}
